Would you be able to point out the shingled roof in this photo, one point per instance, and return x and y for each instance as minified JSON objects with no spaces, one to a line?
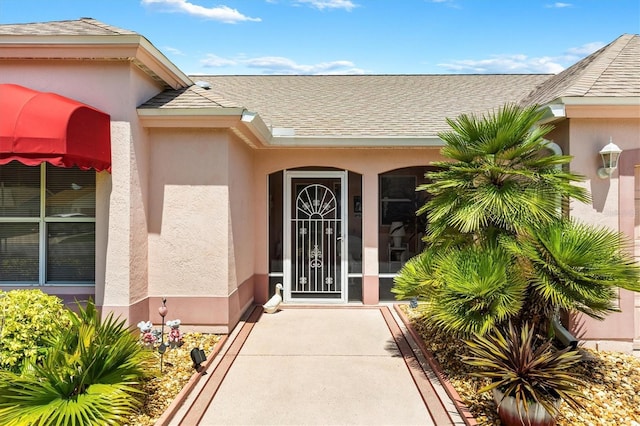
{"x":411,"y":105}
{"x":82,"y":26}
{"x":613,"y":71}
{"x":365,"y":105}
{"x":360,"y":106}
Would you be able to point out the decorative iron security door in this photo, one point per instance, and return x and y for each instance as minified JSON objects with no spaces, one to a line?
{"x":316,"y":226}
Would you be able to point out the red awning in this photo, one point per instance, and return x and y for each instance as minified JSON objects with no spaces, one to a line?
{"x":36,"y":127}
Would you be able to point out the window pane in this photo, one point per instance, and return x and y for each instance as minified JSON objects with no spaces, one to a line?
{"x":71,"y":252}
{"x":19,"y":252}
{"x":355,"y":223}
{"x":19,"y":190}
{"x":386,"y":284}
{"x":71,"y":192}
{"x":275,"y":222}
{"x":355,"y":289}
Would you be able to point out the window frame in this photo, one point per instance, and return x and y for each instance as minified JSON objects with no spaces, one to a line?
{"x":43,"y":238}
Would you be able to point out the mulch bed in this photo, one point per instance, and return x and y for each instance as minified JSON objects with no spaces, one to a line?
{"x":160,"y":389}
{"x":611,"y":382}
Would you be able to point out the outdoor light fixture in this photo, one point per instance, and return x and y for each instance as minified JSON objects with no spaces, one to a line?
{"x":610,"y":155}
{"x":198,"y":357}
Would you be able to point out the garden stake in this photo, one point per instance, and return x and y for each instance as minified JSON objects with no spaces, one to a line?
{"x":162,"y":310}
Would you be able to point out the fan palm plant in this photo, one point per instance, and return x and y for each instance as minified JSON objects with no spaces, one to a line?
{"x":467,"y":291}
{"x":497,"y":245}
{"x":88,"y":376}
{"x":500,"y":177}
{"x":574,"y":267}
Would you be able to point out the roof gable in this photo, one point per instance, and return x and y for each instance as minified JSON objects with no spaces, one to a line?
{"x":87,"y":38}
{"x":613,"y":71}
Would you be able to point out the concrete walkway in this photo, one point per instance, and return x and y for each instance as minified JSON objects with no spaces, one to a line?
{"x":319,"y":366}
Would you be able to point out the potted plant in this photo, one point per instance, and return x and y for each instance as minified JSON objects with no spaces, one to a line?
{"x":529,"y":378}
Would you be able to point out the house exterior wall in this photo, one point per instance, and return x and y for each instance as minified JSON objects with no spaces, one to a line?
{"x":612,"y":206}
{"x":241,"y":228}
{"x":188,"y":224}
{"x":116,"y":88}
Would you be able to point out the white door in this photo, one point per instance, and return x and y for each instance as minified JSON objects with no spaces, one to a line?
{"x":315,"y":267}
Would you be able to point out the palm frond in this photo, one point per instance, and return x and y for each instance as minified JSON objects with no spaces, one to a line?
{"x":472,"y":290}
{"x":88,"y":376}
{"x":576,"y":266}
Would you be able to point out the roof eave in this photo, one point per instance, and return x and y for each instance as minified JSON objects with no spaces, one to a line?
{"x":357,"y":141}
{"x":600,"y":100}
{"x":134,"y":48}
{"x":552,"y":113}
{"x":591,"y":107}
{"x":247,"y":126}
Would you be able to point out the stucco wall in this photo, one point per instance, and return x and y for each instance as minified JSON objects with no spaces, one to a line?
{"x":200,"y":226}
{"x":189,"y":213}
{"x":241,"y":219}
{"x":117,"y":88}
{"x":242,"y":226}
{"x":610,"y":201}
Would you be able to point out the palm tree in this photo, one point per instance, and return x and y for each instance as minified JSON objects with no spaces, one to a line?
{"x":501,"y":177}
{"x":498,"y":247}
{"x":88,"y":376}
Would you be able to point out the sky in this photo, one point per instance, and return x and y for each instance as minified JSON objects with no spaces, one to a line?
{"x":229,"y":37}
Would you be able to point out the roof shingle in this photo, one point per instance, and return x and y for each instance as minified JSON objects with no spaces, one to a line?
{"x":369,"y":105}
{"x":612,"y":71}
{"x":82,"y":26}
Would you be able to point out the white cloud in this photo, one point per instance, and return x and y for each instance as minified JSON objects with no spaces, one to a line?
{"x":501,"y":64}
{"x":329,"y":4}
{"x":449,"y":3}
{"x":223,"y":14}
{"x":173,"y":50}
{"x":558,"y":5}
{"x":212,"y":61}
{"x":586,"y":49}
{"x":281,"y":65}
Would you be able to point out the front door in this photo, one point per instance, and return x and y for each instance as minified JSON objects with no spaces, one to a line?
{"x":315,"y":237}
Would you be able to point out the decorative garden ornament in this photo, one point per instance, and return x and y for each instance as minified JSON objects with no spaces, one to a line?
{"x":272,"y":304}
{"x":175,"y":336}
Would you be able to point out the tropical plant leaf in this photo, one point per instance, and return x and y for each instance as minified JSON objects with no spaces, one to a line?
{"x":88,"y":376}
{"x":521,"y":366}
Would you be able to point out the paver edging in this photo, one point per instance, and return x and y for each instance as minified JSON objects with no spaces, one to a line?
{"x":466,"y":415}
{"x":180,"y":398}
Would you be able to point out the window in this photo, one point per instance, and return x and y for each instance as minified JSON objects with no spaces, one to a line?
{"x":47,"y":225}
{"x":397,"y":198}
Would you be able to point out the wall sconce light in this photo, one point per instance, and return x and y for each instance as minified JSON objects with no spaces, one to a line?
{"x":610,"y":155}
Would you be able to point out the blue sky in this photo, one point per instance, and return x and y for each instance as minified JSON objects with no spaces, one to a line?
{"x":356,"y":36}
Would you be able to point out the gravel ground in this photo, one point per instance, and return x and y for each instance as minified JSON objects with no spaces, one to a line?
{"x":161,"y":388}
{"x":611,"y":384}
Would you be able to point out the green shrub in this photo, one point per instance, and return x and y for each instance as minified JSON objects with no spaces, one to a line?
{"x":90,"y":375}
{"x":28,"y":319}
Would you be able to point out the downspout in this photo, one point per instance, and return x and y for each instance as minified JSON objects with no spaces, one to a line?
{"x":560,"y":333}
